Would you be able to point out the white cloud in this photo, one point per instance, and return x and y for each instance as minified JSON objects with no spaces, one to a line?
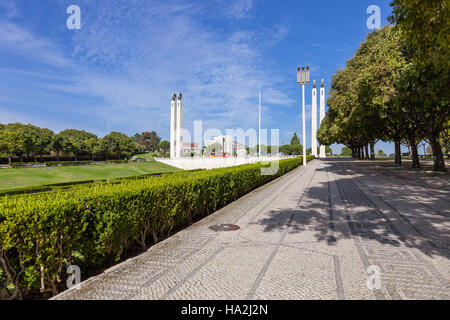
{"x":19,"y":41}
{"x":134,"y":55}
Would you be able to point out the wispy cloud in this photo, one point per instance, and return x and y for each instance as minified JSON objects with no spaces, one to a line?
{"x":19,"y":41}
{"x":134,"y":55}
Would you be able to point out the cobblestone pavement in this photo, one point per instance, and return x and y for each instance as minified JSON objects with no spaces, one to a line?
{"x":311,"y":234}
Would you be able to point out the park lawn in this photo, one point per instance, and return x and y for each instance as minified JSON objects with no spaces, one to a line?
{"x":29,"y":177}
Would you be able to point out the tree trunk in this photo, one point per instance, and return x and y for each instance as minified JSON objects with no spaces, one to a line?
{"x":438,"y":157}
{"x":9,"y":158}
{"x":372,"y":150}
{"x":359,"y":153}
{"x":76,"y":156}
{"x":398,"y":153}
{"x":366,"y":151}
{"x":57,"y":156}
{"x":414,"y":153}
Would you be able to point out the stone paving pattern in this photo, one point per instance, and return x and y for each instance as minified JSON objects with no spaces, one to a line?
{"x":310,"y":234}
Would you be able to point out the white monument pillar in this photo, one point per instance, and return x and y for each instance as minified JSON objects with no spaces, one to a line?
{"x":173,"y":126}
{"x":179,"y":134}
{"x":322,"y":115}
{"x":314,"y":121}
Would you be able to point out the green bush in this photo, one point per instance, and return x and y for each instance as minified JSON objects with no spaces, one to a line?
{"x":117,"y":161}
{"x":68,"y":163}
{"x":18,"y":164}
{"x":93,"y":226}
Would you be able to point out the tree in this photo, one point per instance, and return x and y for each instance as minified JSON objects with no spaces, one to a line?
{"x":119,"y":144}
{"x":361,"y":107}
{"x":11,"y":142}
{"x":381,"y":153}
{"x":346,"y":152}
{"x":44,"y":141}
{"x":93,"y":147}
{"x":426,"y":28}
{"x":288,"y":149}
{"x":164,"y":145}
{"x":57,"y":145}
{"x":75,"y":141}
{"x":150,"y":140}
{"x":295,"y":140}
{"x":445,"y":139}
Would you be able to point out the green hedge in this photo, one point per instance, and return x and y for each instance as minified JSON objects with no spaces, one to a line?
{"x":67,"y":185}
{"x":68,"y":163}
{"x":93,"y":226}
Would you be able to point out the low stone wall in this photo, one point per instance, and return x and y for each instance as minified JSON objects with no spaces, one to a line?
{"x":214,"y":163}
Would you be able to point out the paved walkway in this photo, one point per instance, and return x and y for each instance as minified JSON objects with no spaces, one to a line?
{"x":311,"y":234}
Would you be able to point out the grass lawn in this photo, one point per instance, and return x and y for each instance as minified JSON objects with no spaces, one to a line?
{"x":28,"y":177}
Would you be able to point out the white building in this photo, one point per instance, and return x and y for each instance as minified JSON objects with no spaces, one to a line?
{"x":229,"y":146}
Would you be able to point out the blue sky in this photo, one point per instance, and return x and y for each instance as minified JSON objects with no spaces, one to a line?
{"x":119,"y":70}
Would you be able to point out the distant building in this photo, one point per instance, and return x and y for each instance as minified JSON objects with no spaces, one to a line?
{"x":190,"y":148}
{"x":229,"y":146}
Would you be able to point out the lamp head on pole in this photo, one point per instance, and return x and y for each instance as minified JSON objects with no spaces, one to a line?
{"x":303,"y":75}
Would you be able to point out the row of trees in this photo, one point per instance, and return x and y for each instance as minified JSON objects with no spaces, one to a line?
{"x":395,"y":88}
{"x":21,"y":140}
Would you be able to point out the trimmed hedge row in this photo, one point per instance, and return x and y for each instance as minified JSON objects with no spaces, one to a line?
{"x":93,"y":226}
{"x":67,"y":185}
{"x":62,"y":163}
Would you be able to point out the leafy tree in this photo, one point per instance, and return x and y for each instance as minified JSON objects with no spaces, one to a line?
{"x":295,"y":140}
{"x":11,"y":142}
{"x":381,"y":153}
{"x":164,"y":145}
{"x":426,"y":28}
{"x":119,"y":144}
{"x":75,"y":141}
{"x":150,"y":140}
{"x":346,"y":152}
{"x":57,"y":145}
{"x":288,"y":149}
{"x":44,"y":141}
{"x":93,"y":146}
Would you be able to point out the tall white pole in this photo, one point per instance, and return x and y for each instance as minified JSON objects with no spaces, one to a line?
{"x":322,"y":115}
{"x":179,"y":137}
{"x":173,"y":121}
{"x":304,"y":126}
{"x":314,"y":121}
{"x":259,"y":126}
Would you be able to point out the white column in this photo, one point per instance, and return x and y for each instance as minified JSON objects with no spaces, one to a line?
{"x":259,"y":126}
{"x":173,"y":121}
{"x":304,"y":125}
{"x":314,"y":121}
{"x":322,"y":115}
{"x":179,"y":135}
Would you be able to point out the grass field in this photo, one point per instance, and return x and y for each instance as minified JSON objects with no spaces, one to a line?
{"x":28,"y":177}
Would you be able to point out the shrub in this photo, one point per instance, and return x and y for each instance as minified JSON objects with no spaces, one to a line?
{"x":93,"y":226}
{"x":67,"y":163}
